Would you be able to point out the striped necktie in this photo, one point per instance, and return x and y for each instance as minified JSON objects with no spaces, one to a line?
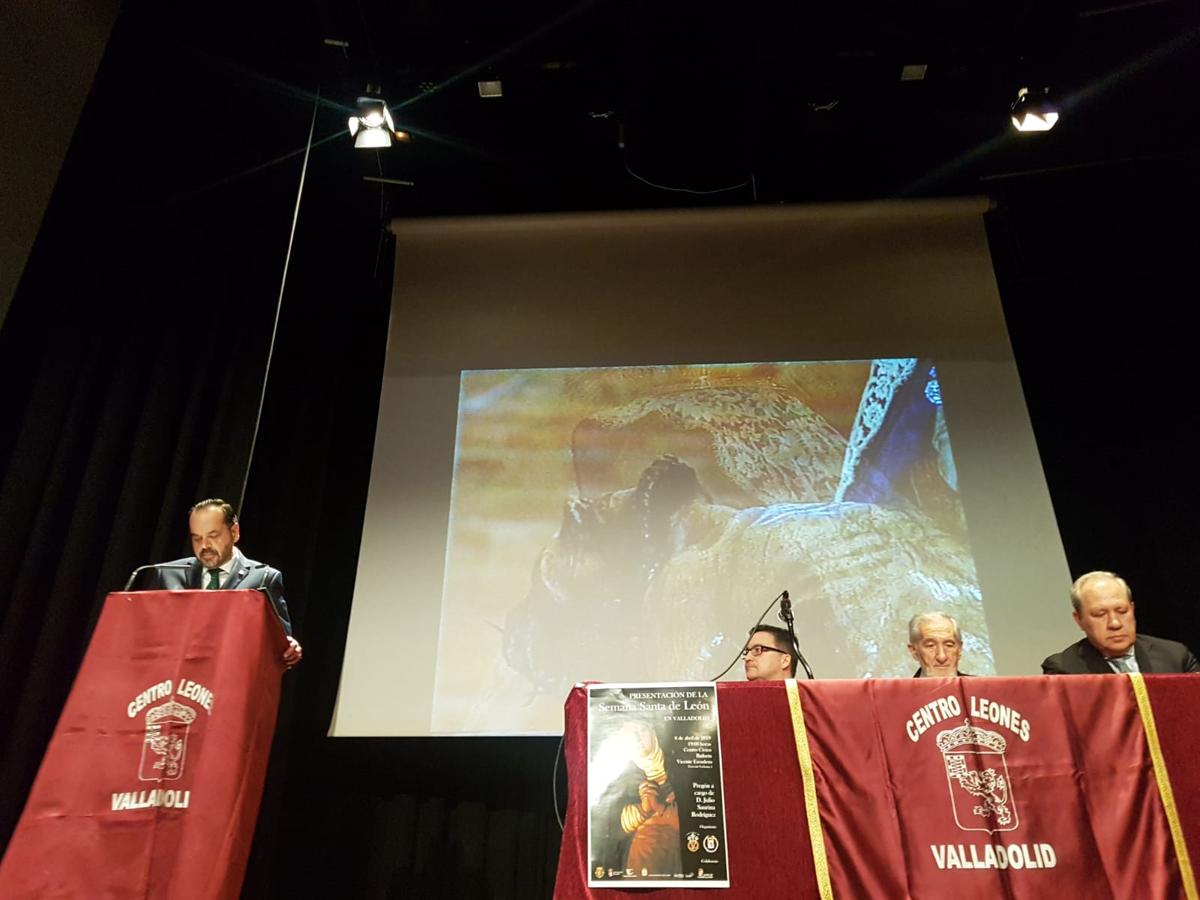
{"x":1122,"y":663}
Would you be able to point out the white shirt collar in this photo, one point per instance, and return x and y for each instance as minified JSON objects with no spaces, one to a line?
{"x":230,"y":564}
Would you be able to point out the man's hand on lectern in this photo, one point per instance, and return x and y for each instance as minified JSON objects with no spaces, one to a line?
{"x":292,"y":655}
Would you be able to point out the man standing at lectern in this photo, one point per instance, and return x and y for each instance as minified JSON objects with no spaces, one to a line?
{"x":1103,"y":609}
{"x":219,"y":565}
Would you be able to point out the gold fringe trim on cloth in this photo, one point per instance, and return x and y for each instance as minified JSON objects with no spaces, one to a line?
{"x":1164,"y":784}
{"x":815,"y":834}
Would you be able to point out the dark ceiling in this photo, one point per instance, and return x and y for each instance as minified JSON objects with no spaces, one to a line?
{"x":774,"y":101}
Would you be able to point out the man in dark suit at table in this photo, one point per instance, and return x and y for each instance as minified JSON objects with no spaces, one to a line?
{"x":1103,"y":609}
{"x":936,"y":644}
{"x":219,"y":565}
{"x":769,"y":655}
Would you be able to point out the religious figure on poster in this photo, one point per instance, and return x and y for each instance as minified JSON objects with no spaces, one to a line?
{"x":644,"y":802}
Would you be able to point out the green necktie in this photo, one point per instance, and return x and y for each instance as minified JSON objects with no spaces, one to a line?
{"x":214,"y":580}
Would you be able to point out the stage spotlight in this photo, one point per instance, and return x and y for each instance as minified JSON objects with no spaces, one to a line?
{"x":1033,"y":110}
{"x":373,"y":127}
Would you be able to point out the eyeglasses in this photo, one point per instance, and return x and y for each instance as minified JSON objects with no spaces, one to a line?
{"x":757,"y":650}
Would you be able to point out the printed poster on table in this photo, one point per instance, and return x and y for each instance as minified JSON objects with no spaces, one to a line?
{"x":656,"y":806}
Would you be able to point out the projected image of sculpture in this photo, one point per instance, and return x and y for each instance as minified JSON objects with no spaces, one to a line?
{"x":683,"y":500}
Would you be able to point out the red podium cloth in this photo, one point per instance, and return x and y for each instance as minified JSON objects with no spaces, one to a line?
{"x":151,"y":783}
{"x":1083,"y":784}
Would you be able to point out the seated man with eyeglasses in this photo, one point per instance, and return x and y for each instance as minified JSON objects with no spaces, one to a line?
{"x":769,"y":655}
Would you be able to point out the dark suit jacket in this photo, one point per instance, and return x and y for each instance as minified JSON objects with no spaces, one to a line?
{"x":1154,"y":655}
{"x":188,"y":575}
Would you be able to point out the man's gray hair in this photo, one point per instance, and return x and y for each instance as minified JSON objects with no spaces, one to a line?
{"x":920,"y":620}
{"x":1084,"y":580}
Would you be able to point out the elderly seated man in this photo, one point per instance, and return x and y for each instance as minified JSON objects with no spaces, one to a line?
{"x":936,"y":644}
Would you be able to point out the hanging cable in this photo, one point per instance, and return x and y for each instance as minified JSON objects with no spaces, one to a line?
{"x":554,"y":779}
{"x":752,"y":630}
{"x":682,"y":190}
{"x":287,"y":259}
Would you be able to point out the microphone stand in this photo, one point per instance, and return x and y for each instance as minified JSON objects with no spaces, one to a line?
{"x":785,"y":613}
{"x":770,"y":606}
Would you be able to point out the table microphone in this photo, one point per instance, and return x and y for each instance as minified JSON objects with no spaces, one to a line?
{"x":785,"y":616}
{"x":785,"y":610}
{"x":782,"y":596}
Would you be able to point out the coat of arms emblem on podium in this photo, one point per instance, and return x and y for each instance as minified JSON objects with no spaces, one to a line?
{"x":977,"y":774}
{"x":165,"y":744}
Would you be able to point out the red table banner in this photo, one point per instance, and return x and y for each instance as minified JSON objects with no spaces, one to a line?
{"x":930,"y":788}
{"x":982,"y":788}
{"x":151,"y":784}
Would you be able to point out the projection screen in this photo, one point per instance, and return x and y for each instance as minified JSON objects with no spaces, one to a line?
{"x":607,"y":441}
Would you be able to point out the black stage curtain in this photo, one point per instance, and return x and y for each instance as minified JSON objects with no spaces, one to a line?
{"x":132,"y":360}
{"x":133,"y":357}
{"x":1097,"y":270}
{"x":130,"y":363}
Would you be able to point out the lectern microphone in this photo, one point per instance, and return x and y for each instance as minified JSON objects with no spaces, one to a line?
{"x":140,"y":569}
